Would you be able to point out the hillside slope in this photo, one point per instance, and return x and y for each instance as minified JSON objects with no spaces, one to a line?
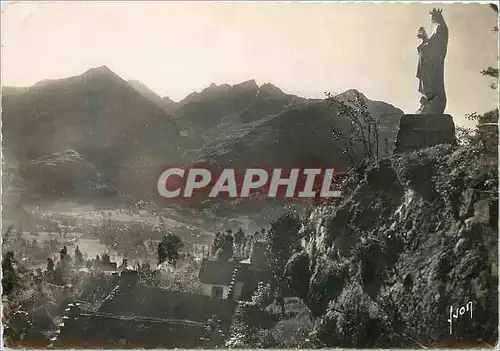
{"x":246,"y":125}
{"x":416,"y":235}
{"x":66,"y":174}
{"x":165,"y":103}
{"x":101,"y":117}
{"x":96,"y":113}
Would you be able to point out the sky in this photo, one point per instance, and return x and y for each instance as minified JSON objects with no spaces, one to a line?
{"x":306,"y":49}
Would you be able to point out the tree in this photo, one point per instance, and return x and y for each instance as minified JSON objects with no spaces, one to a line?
{"x":78,"y":257}
{"x":10,"y":280}
{"x":485,"y":134}
{"x":162,"y":253}
{"x":50,"y":268}
{"x":217,"y":243}
{"x":491,"y":71}
{"x":282,"y":240}
{"x":184,"y":278}
{"x":124,"y":264}
{"x":97,"y":260}
{"x":249,"y":240}
{"x":168,"y":249}
{"x":63,"y":254}
{"x":239,"y":237}
{"x":263,"y":295}
{"x":65,"y":228}
{"x":147,"y":275}
{"x":225,"y":251}
{"x":363,"y":134}
{"x":106,"y":260}
{"x":16,"y":327}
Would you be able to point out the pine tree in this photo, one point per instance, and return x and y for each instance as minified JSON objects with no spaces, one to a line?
{"x":10,"y":280}
{"x":50,"y":265}
{"x":282,"y":239}
{"x":168,"y":249}
{"x":217,"y":243}
{"x":225,"y":251}
{"x":65,"y":229}
{"x":78,"y":257}
{"x":239,"y":237}
{"x":106,"y":259}
{"x":63,"y":254}
{"x":124,"y":264}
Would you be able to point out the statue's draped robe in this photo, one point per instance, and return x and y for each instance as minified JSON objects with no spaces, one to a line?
{"x":430,"y":71}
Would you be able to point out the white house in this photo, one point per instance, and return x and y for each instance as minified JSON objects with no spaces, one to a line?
{"x":215,"y":277}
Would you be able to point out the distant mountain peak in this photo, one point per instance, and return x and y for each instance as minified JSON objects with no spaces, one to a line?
{"x":214,"y":88}
{"x":270,"y":89}
{"x":352,"y":93}
{"x":247,"y":84}
{"x":100,"y":69}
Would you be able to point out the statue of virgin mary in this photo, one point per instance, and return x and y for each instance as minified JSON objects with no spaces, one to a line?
{"x":430,"y":71}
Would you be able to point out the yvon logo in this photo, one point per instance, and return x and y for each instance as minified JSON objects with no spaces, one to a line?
{"x":230,"y":183}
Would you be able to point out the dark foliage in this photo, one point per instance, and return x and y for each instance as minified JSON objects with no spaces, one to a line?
{"x":168,"y":249}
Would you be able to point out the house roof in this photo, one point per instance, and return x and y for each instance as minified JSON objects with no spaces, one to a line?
{"x":153,"y":302}
{"x":101,"y":331}
{"x":216,"y":272}
{"x":145,"y":317}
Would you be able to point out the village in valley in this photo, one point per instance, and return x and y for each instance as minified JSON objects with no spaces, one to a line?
{"x":107,"y":278}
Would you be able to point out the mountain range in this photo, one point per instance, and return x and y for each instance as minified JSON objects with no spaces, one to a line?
{"x":119,"y":134}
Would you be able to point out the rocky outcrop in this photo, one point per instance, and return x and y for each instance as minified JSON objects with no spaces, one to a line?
{"x":421,"y":131}
{"x":418,"y":234}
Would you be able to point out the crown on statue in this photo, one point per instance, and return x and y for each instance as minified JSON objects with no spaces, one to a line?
{"x":436,"y":11}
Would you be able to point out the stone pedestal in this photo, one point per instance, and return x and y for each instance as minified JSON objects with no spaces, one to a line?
{"x":422,"y":131}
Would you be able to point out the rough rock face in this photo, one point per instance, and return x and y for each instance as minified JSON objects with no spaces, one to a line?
{"x":421,"y":131}
{"x":417,"y":234}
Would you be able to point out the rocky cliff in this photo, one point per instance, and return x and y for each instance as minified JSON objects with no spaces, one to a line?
{"x":411,"y":236}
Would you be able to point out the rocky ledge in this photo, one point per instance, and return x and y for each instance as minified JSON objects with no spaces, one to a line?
{"x":422,"y":131}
